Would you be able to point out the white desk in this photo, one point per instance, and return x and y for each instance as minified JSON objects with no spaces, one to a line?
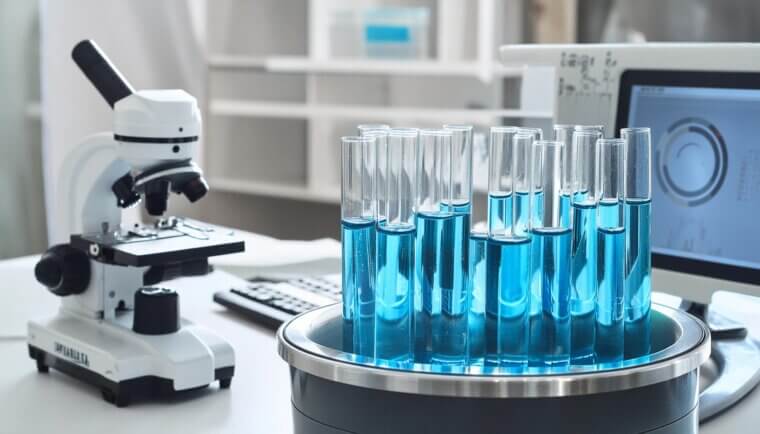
{"x":257,"y":402}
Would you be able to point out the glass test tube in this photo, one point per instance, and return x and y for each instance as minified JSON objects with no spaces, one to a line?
{"x":583,"y":259}
{"x":611,"y":252}
{"x":638,"y":250}
{"x":499,"y":182}
{"x":508,"y":254}
{"x":461,"y":167}
{"x":476,"y":293}
{"x":476,"y":290}
{"x":395,"y":248}
{"x":500,"y":208}
{"x":564,"y":134}
{"x":550,"y":293}
{"x":536,"y":135}
{"x":358,"y":243}
{"x":443,"y":225}
{"x":380,"y":132}
{"x":590,"y":128}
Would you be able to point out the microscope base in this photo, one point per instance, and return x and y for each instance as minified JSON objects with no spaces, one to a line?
{"x":127,"y":366}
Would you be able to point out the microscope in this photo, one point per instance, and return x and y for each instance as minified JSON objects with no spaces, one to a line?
{"x":118,"y":328}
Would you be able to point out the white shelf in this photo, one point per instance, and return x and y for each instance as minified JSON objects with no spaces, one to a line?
{"x":275,"y":189}
{"x":301,"y":64}
{"x":223,"y":107}
{"x":231,"y":61}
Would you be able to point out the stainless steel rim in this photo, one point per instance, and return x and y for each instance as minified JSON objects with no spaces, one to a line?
{"x":690,"y":350}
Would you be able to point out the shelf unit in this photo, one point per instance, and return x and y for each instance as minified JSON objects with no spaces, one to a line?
{"x":277,"y":99}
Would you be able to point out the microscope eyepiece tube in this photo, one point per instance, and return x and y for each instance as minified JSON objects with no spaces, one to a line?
{"x":101,"y":72}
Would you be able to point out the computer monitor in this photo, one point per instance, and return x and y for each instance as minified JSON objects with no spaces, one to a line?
{"x":705,"y":168}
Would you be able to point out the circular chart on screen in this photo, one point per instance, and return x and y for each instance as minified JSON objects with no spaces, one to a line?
{"x":691,"y":161}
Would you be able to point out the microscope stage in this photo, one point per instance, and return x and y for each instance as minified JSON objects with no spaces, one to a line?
{"x":170,"y":240}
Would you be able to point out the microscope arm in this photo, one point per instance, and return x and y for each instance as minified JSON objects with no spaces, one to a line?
{"x":84,"y":196}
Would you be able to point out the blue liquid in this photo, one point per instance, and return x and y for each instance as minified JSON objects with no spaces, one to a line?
{"x":583,"y":283}
{"x":477,"y":295}
{"x":549,"y":343}
{"x":521,"y":204}
{"x":442,"y":255}
{"x":638,"y":286}
{"x":358,"y":243}
{"x":609,"y":306}
{"x":508,"y":285}
{"x":499,"y":213}
{"x":564,"y":210}
{"x":394,"y":292}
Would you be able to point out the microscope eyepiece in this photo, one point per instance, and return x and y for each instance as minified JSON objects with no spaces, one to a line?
{"x":101,"y":72}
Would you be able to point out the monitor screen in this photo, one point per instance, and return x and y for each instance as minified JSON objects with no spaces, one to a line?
{"x":705,"y":169}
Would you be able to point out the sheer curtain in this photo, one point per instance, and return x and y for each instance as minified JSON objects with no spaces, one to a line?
{"x":22,"y":215}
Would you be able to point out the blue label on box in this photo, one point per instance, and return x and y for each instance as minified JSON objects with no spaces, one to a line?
{"x":374,"y":33}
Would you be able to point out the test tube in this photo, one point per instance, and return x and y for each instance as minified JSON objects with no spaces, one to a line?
{"x":461,"y":167}
{"x":380,"y":132}
{"x":638,"y":183}
{"x":538,"y":194}
{"x":583,"y":259}
{"x":549,"y":343}
{"x":589,"y":128}
{"x":537,"y":133}
{"x":564,"y":134}
{"x":395,"y":248}
{"x":500,"y":198}
{"x":611,"y":253}
{"x":476,"y":294}
{"x":358,"y":237}
{"x":508,"y":254}
{"x":443,"y":225}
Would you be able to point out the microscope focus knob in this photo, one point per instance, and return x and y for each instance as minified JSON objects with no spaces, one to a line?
{"x":64,"y":270}
{"x":156,"y":311}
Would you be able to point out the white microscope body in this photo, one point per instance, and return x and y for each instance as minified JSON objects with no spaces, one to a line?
{"x":129,"y":341}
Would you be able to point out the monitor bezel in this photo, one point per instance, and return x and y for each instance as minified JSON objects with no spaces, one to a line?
{"x":696,"y":79}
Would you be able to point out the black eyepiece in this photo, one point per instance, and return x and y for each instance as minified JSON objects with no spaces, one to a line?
{"x":101,"y":72}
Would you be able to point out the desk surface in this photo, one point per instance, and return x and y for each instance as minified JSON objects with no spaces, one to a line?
{"x":257,"y":402}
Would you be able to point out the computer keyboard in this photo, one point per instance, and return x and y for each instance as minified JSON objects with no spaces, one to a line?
{"x":270,"y":303}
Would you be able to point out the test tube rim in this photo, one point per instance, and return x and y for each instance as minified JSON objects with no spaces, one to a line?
{"x":368,"y":127}
{"x":375,"y":133}
{"x":504,"y":129}
{"x":579,"y":128}
{"x":548,"y":143}
{"x":531,"y":129}
{"x":435,"y":132}
{"x":458,"y":127}
{"x":635,"y":130}
{"x":610,"y":141}
{"x":358,"y":139}
{"x":403,"y":132}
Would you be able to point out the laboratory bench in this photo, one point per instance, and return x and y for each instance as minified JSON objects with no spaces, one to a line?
{"x":257,"y":402}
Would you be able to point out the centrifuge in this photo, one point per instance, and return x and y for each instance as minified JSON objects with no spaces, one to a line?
{"x":337,"y":392}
